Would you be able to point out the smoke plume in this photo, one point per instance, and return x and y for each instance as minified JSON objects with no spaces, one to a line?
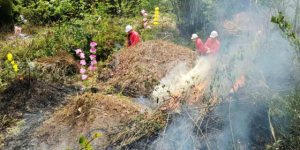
{"x":261,"y":54}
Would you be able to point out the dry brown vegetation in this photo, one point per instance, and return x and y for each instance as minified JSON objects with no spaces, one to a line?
{"x":88,"y":114}
{"x":56,"y":68}
{"x":241,"y":24}
{"x":135,"y":71}
{"x":121,"y":121}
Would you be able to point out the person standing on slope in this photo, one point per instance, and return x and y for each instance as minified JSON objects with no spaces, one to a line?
{"x":213,"y":44}
{"x":132,"y":36}
{"x":200,"y":47}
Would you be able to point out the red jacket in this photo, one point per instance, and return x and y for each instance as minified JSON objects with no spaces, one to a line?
{"x":200,"y":46}
{"x":134,"y":38}
{"x":214,"y":46}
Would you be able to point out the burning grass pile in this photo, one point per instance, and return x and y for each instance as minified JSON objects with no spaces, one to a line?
{"x":142,"y":132}
{"x":88,"y":114}
{"x":137,"y":70}
{"x":200,"y":127}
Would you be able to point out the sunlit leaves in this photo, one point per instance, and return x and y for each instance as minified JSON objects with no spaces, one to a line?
{"x":85,"y":144}
{"x":81,"y":140}
{"x":274,"y":19}
{"x":286,"y":27}
{"x":96,"y":135}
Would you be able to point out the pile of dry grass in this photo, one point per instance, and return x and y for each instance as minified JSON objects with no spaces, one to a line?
{"x":242,"y":23}
{"x":142,"y":126}
{"x":58,"y":67}
{"x":136,"y":70}
{"x":88,"y":114}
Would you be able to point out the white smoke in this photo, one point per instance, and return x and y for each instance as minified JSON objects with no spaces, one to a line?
{"x":179,"y":80}
{"x":264,"y":56}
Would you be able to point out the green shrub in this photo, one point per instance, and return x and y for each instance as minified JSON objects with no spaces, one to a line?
{"x":285,"y":115}
{"x":43,"y":11}
{"x":79,"y":33}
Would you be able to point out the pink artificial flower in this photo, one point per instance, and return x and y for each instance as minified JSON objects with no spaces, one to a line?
{"x":82,"y":71}
{"x":145,"y":19}
{"x":93,"y":44}
{"x":84,"y":77}
{"x":148,"y":27}
{"x":145,"y":24}
{"x":82,"y":55}
{"x":92,"y":57}
{"x":93,"y":50}
{"x":92,"y":67}
{"x":78,"y":51}
{"x":143,"y":11}
{"x":145,"y":14}
{"x":82,"y":62}
{"x":94,"y":62}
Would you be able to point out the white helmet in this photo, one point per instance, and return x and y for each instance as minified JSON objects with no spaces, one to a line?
{"x":194,"y":36}
{"x":214,"y":34}
{"x":128,"y":28}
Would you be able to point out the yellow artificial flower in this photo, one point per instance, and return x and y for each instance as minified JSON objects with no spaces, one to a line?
{"x":15,"y":67}
{"x":155,"y":23}
{"x":9,"y":57}
{"x":156,"y":12}
{"x":156,"y":16}
{"x":156,"y":8}
{"x":155,"y":19}
{"x":12,"y":62}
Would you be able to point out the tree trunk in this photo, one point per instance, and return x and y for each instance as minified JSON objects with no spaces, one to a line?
{"x":94,"y":7}
{"x":296,"y":16}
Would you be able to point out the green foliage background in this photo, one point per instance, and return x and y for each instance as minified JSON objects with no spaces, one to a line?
{"x":71,"y":24}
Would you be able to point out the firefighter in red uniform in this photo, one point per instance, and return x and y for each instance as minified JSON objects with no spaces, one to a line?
{"x":212,"y":53}
{"x":132,"y":36}
{"x":200,"y":47}
{"x":213,"y":44}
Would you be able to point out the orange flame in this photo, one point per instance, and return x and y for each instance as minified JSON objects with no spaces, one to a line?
{"x":199,"y":89}
{"x":239,"y":82}
{"x":173,"y":102}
